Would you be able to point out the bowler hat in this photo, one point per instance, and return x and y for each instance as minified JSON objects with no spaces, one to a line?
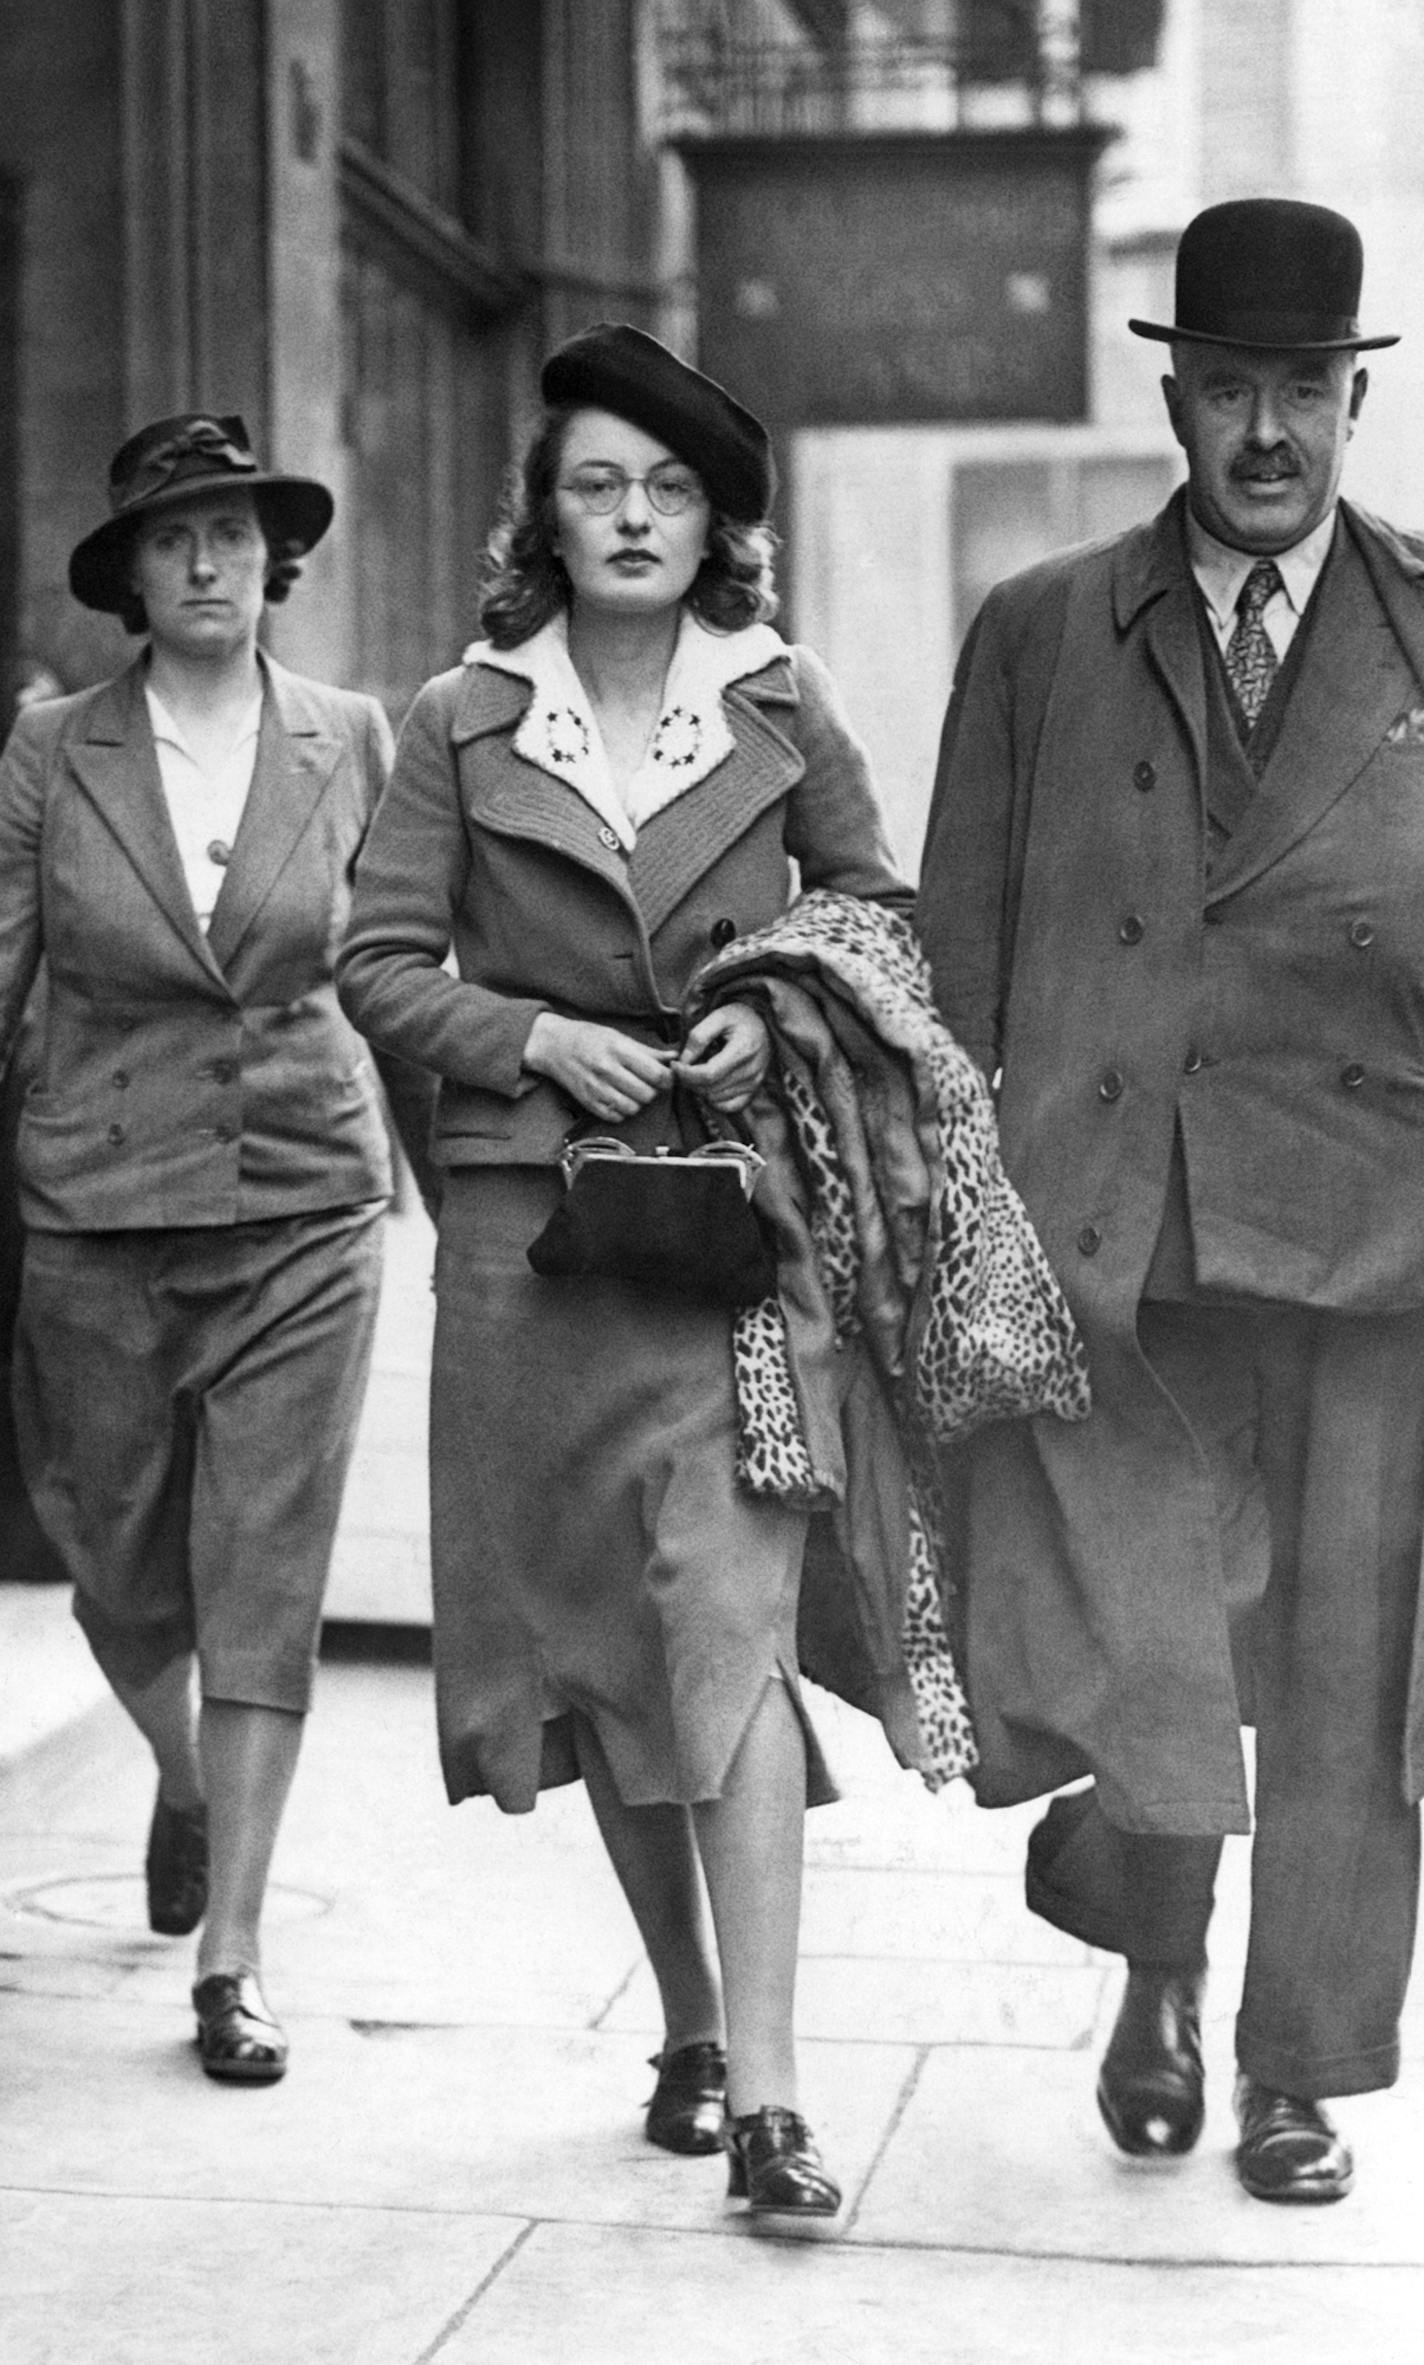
{"x":1270,"y":274}
{"x":170,"y":461}
{"x":617,"y":368}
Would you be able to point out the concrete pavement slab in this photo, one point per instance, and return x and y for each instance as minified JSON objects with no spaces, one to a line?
{"x":579,"y":2294}
{"x":108,"y":2096}
{"x":1005,"y":2152}
{"x":881,"y":1910}
{"x":181,"y":2282}
{"x":841,"y":1998}
{"x":470,"y":2015}
{"x":50,"y":1677}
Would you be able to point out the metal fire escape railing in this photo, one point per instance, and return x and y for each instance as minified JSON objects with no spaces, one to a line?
{"x":1014,"y":58}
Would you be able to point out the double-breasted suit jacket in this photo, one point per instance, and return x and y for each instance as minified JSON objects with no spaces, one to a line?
{"x":477,"y":846}
{"x":1132,"y":979}
{"x":185,"y":1080}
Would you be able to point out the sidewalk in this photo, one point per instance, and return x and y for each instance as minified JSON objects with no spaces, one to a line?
{"x":454,"y":2171}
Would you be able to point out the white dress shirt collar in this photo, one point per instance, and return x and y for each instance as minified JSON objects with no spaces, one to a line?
{"x":1221,"y":571}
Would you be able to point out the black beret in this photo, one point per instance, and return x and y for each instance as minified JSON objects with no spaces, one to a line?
{"x":617,"y":368}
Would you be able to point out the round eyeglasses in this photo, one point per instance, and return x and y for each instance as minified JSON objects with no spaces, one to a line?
{"x":603,"y":489}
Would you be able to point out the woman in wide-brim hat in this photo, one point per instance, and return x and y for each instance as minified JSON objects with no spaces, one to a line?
{"x":203,"y":1161}
{"x":614,"y":783}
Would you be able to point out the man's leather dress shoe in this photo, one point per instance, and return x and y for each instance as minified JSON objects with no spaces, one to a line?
{"x":1288,"y":2150}
{"x":1150,"y":2088}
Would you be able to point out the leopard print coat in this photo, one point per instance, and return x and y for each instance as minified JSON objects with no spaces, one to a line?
{"x":922,"y":1250}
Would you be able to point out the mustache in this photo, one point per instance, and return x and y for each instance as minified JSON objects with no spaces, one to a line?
{"x":1277,"y":461}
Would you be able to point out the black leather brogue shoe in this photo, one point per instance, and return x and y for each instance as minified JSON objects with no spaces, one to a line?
{"x":1289,"y":2151}
{"x":1151,"y":2087}
{"x":689,"y":2099}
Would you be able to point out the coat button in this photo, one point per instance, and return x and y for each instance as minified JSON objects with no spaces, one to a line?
{"x":608,"y":837}
{"x":1090,"y":1240}
{"x":1144,"y":776}
{"x":1352,"y":1075}
{"x":219,"y":852}
{"x":1192,"y":1062}
{"x":1361,"y":934}
{"x":116,"y":1134}
{"x":722,"y":932}
{"x":1133,"y":929}
{"x":120,"y":1078}
{"x":1110,"y":1084}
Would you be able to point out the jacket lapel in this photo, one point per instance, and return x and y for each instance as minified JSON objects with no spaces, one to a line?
{"x":1152,"y":580}
{"x":516,"y":797}
{"x":1355,"y":679}
{"x":116,"y":765}
{"x":677,"y":845}
{"x":296,"y":756}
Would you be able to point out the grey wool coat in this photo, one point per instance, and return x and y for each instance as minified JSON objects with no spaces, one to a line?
{"x":476,"y":846}
{"x":1268,"y":1003}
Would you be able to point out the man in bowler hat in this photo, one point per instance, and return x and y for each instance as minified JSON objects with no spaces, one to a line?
{"x":1173,"y":897}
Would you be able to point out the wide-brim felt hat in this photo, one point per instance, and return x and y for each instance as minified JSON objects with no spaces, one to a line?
{"x":174,"y":460}
{"x":615,"y":367}
{"x":1270,"y":275}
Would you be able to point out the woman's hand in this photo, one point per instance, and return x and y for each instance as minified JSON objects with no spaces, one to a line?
{"x":612,"y":1075}
{"x":726,"y":1055}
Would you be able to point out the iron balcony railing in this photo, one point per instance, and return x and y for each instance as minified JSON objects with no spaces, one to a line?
{"x":1011,"y":56}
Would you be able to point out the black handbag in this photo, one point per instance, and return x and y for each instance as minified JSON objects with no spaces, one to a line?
{"x":679,"y":1222}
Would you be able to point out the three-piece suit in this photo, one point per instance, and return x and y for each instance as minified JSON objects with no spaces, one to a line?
{"x":1200,"y":985}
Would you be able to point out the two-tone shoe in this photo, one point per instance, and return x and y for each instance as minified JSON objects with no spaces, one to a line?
{"x":175,"y":1868}
{"x":1289,"y":2150}
{"x":1151,"y":2089}
{"x":239,"y":2042}
{"x":689,"y":2100}
{"x":774,"y":2166}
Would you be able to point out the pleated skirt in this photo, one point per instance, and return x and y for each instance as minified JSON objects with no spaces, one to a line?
{"x":592,"y":1553}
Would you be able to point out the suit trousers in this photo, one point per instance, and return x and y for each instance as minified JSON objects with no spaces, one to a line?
{"x":1311,"y":1426}
{"x":187,"y":1403}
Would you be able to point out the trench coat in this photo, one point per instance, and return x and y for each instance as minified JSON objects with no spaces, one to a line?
{"x":183,"y":1079}
{"x":1267,"y":1006}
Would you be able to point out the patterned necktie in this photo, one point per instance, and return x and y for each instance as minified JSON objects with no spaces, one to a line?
{"x":1251,"y":660}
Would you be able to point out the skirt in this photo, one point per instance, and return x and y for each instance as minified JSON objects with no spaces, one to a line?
{"x":592,"y":1553}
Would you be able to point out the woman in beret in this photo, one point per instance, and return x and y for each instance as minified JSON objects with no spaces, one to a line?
{"x":202,"y":1161}
{"x":614,"y":783}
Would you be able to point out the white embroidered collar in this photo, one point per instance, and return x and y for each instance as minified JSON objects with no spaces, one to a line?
{"x":559,"y":733}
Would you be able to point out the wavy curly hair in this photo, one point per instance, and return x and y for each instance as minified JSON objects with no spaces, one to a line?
{"x":523,"y":582}
{"x":284,"y":565}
